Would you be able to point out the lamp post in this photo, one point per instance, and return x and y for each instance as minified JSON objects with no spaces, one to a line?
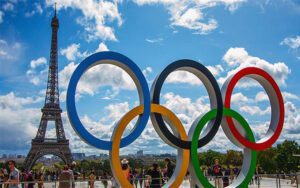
{"x":298,"y":173}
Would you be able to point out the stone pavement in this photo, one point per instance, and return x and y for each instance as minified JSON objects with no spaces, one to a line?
{"x":265,"y":183}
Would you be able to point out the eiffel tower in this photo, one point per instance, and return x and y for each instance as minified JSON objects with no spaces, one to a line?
{"x":51,"y":111}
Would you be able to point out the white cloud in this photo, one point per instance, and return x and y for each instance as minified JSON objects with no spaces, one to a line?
{"x":292,"y":118}
{"x":8,"y":6}
{"x":215,"y":70}
{"x":238,"y":58}
{"x":261,"y":96}
{"x":239,"y":98}
{"x":102,"y":47}
{"x":292,"y":42}
{"x":191,"y":20}
{"x":1,"y":16}
{"x":9,"y":50}
{"x":3,"y":53}
{"x":154,"y":40}
{"x":37,"y":72}
{"x":72,"y":52}
{"x":11,"y":101}
{"x":147,"y":71}
{"x":190,"y":14}
{"x":183,"y":77}
{"x":255,"y":110}
{"x":10,"y":53}
{"x":185,"y":108}
{"x":96,"y":16}
{"x":17,"y":121}
{"x":36,"y":10}
{"x":38,"y":62}
{"x":97,"y":77}
{"x":289,"y":96}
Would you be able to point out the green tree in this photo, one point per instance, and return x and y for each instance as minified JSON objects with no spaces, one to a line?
{"x":234,"y":158}
{"x":267,"y":160}
{"x":208,"y":158}
{"x":285,"y":159}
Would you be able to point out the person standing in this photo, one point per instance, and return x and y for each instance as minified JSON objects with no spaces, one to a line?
{"x":104,"y":178}
{"x":141,"y":177}
{"x":114,"y":182}
{"x":217,"y":172}
{"x":126,"y":169}
{"x":155,"y":175}
{"x":22,"y":178}
{"x":169,"y":168}
{"x":14,"y":175}
{"x":65,"y":178}
{"x":226,"y":177}
{"x":1,"y":177}
{"x":92,"y":178}
{"x":71,"y":170}
{"x":30,"y":180}
{"x":40,"y":180}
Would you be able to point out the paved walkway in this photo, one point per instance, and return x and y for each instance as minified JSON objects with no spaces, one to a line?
{"x":265,"y":183}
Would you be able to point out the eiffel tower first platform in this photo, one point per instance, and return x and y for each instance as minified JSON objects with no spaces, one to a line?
{"x":51,"y":111}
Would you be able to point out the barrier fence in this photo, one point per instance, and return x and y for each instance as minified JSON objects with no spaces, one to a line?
{"x":260,"y":180}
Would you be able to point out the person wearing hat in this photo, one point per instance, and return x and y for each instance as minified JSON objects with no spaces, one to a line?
{"x":126,"y":169}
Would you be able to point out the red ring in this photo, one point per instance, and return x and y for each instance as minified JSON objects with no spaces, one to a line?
{"x":252,"y":145}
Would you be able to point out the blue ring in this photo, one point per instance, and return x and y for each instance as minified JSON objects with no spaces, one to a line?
{"x":88,"y":63}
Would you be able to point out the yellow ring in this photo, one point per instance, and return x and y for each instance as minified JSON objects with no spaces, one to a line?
{"x":117,"y":135}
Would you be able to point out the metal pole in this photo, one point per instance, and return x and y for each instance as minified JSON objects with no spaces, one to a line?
{"x":296,"y":176}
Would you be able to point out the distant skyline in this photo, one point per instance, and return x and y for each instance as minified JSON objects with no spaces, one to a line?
{"x":224,"y":35}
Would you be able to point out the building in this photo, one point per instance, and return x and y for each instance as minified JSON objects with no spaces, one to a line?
{"x":78,"y":156}
{"x":139,"y":153}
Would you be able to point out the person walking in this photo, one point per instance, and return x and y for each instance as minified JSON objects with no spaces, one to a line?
{"x":65,"y":178}
{"x":14,"y":175}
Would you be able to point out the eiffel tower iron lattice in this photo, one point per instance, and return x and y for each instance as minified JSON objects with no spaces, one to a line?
{"x":51,"y":111}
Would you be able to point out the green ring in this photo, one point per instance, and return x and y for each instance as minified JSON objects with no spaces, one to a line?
{"x":194,"y":153}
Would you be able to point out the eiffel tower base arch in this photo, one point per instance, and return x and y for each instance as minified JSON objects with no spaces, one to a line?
{"x":39,"y":149}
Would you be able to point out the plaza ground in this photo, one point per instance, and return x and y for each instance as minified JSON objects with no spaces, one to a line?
{"x":265,"y":182}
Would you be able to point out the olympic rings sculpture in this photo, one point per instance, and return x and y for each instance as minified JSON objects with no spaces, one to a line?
{"x":238,"y":130}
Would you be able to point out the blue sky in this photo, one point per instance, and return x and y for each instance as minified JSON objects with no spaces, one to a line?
{"x":225,"y":35}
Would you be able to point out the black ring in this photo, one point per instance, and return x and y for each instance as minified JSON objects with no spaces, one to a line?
{"x":209,"y":82}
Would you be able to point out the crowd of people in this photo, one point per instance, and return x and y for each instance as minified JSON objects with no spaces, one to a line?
{"x":153,"y":177}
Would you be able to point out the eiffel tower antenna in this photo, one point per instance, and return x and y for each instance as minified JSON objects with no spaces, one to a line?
{"x":55,"y":9}
{"x":51,"y":111}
